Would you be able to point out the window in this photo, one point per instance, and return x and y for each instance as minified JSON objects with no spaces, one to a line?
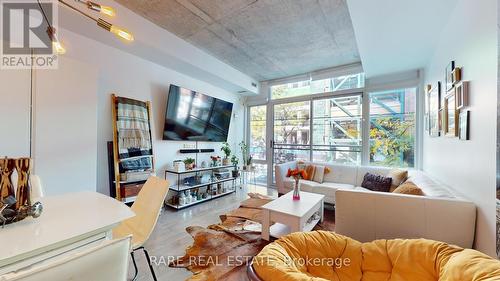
{"x":323,"y":125}
{"x":309,"y":87}
{"x":291,"y":131}
{"x":337,"y":124}
{"x":257,"y":145}
{"x":392,"y":128}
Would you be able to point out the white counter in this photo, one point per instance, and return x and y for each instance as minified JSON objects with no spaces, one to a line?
{"x":68,"y":222}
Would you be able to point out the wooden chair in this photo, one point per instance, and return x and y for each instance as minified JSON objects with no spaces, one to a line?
{"x":106,"y":261}
{"x":147,"y":208}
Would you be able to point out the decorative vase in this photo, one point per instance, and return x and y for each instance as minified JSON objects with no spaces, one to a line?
{"x":7,"y":167}
{"x":235,"y":173}
{"x":296,"y":190}
{"x":23,"y":167}
{"x":226,"y":161}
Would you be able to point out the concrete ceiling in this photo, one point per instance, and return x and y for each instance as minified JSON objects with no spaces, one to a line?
{"x":265,"y":39}
{"x":394,"y":35}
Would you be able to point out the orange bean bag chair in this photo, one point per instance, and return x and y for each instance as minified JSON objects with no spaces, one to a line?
{"x":322,"y":255}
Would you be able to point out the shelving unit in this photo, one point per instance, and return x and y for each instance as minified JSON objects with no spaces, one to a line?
{"x":214,"y":188}
{"x":127,"y":190}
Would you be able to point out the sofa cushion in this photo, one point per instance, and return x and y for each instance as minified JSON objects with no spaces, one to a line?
{"x":340,"y":174}
{"x":398,"y":177}
{"x":329,"y":188}
{"x":288,"y":182}
{"x":430,"y":187}
{"x":397,"y":259}
{"x":408,"y":188}
{"x":376,"y":182}
{"x":318,"y":255}
{"x":471,"y":265}
{"x":362,"y":170}
{"x":411,"y":259}
{"x":319,"y":174}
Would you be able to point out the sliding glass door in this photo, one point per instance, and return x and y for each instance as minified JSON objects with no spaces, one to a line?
{"x":258,"y":141}
{"x":318,"y":129}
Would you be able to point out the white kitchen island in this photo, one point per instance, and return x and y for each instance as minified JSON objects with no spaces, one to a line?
{"x":69,"y":223}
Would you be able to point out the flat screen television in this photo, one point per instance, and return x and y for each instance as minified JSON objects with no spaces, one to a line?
{"x":194,"y":116}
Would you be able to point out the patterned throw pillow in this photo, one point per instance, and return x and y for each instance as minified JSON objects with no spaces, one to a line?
{"x":410,"y":188}
{"x":376,"y":183}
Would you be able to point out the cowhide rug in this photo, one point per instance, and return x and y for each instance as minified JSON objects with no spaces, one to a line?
{"x":222,"y":251}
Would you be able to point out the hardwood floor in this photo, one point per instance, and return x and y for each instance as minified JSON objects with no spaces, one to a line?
{"x":170,"y":238}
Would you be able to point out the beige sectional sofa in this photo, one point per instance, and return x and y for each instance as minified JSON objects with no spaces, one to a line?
{"x":441,"y":214}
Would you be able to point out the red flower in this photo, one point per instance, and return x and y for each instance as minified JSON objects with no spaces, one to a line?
{"x":296,"y":173}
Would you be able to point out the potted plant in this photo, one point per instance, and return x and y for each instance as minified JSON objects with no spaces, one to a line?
{"x":227,"y":152}
{"x":215,"y":160}
{"x":234,"y":161}
{"x":247,"y":158}
{"x":189,"y":163}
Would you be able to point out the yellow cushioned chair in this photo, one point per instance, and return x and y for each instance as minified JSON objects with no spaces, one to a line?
{"x":321,"y":255}
{"x":147,"y":208}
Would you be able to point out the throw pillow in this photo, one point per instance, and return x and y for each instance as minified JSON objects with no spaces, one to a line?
{"x":310,"y":171}
{"x":376,"y":182}
{"x":398,"y":177}
{"x":409,"y":187}
{"x":319,"y":174}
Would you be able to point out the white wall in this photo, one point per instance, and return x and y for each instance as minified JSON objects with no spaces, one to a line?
{"x":65,"y":136}
{"x":65,"y":115}
{"x":14,"y":112}
{"x":73,"y":112}
{"x":470,"y":38}
{"x":130,"y":76}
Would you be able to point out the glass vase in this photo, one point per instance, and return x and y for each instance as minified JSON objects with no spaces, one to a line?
{"x":296,"y":190}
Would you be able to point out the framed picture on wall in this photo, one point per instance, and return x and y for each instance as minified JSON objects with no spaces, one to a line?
{"x":462,"y":94}
{"x":434,"y":99}
{"x":449,"y":76}
{"x":456,"y":75}
{"x":463,"y":121}
{"x":451,"y":115}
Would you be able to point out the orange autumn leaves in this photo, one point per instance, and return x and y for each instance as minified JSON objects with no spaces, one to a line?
{"x":297,"y":173}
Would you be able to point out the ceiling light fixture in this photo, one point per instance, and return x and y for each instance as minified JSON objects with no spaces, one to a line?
{"x":56,"y":44}
{"x":106,"y":10}
{"x":119,"y":32}
{"x":51,"y":31}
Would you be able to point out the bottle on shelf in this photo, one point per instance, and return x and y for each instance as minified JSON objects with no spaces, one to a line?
{"x":182,"y":199}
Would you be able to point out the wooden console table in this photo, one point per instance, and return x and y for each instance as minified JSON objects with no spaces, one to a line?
{"x":69,"y":223}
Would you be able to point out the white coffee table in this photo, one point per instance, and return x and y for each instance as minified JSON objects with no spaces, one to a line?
{"x":291,"y":216}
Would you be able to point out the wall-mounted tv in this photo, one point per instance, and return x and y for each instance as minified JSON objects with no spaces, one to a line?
{"x":196,"y":117}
